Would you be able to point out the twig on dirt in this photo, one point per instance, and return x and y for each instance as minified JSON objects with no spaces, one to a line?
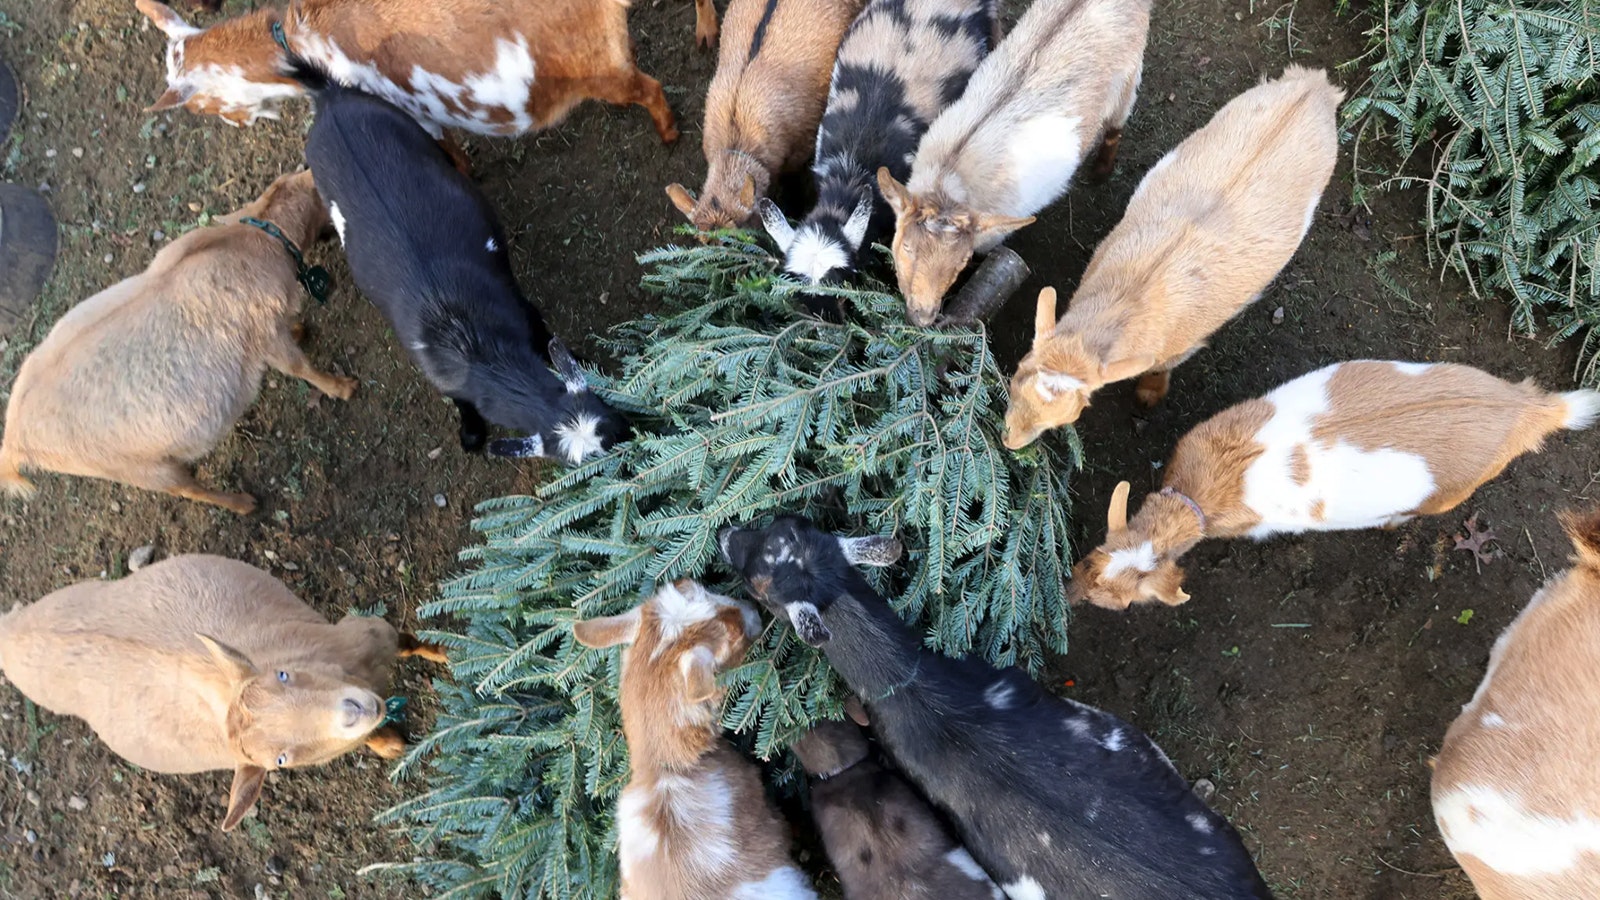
{"x":1408,"y":871}
{"x":1542,"y":573}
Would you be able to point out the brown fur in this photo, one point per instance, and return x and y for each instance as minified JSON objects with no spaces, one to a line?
{"x":762,"y":114}
{"x":670,"y":705}
{"x":1466,"y":424}
{"x":139,"y":381}
{"x":581,"y":51}
{"x":176,"y":668}
{"x":1541,"y":754}
{"x":1206,"y":231}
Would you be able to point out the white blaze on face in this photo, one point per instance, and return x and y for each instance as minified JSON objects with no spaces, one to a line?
{"x":1480,"y":821}
{"x":1045,"y":152}
{"x":814,"y":254}
{"x":1355,"y":488}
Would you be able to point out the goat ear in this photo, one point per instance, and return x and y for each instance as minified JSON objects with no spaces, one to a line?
{"x":165,"y":19}
{"x":571,"y":373}
{"x":1117,"y":513}
{"x":1126,"y":368}
{"x":174,"y":96}
{"x":608,"y":631}
{"x":996,"y":228}
{"x":1044,"y":316}
{"x":233,"y":664}
{"x":872,"y":550}
{"x":855,"y":228}
{"x":895,"y":193}
{"x":531,"y":447}
{"x":699,"y":668}
{"x":246,"y":790}
{"x":857,"y":711}
{"x":681,"y":198}
{"x":777,"y":226}
{"x":1166,"y":584}
{"x":807,"y":623}
{"x":747,"y":194}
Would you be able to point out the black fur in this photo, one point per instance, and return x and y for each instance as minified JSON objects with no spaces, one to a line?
{"x":1121,"y":821}
{"x":425,"y":247}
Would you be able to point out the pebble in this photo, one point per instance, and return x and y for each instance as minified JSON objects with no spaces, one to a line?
{"x":108,"y":257}
{"x":141,"y":557}
{"x":109,"y":860}
{"x":138,"y":188}
{"x":31,"y":835}
{"x":1277,"y":316}
{"x":32,"y":797}
{"x":77,"y":803}
{"x":434,"y":453}
{"x":77,"y":152}
{"x":439,"y":501}
{"x":158,"y":235}
{"x":50,"y":154}
{"x":261,"y":891}
{"x":290,"y":567}
{"x":116,"y":507}
{"x":1205,"y":790}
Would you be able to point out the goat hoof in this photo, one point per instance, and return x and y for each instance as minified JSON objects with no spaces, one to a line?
{"x":706,"y":40}
{"x":387,"y":743}
{"x":243,"y":504}
{"x":670,"y":135}
{"x":1152,"y":388}
{"x":342,"y":388}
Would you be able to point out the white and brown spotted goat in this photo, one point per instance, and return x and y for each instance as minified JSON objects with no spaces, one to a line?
{"x":1209,"y":226}
{"x":1516,"y":793}
{"x":199,"y":663}
{"x":694,"y":822}
{"x":1061,"y":85}
{"x":764,"y":103}
{"x":1360,"y":444}
{"x":497,"y":67}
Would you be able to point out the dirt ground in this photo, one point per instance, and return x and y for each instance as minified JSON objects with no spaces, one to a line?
{"x":1309,"y":678}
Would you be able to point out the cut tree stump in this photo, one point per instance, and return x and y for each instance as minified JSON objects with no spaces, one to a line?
{"x":27,"y":252}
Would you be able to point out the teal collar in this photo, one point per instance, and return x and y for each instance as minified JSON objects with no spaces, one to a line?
{"x":315,"y":279}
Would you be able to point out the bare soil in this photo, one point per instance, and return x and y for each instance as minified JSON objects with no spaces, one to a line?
{"x":1309,"y":678}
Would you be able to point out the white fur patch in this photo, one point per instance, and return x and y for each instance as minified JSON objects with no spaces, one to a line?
{"x":236,"y":93}
{"x":1355,"y":488}
{"x":636,"y":836}
{"x":787,"y":883}
{"x":1024,"y":888}
{"x":1114,"y":741}
{"x":1049,"y":385}
{"x":1479,"y":821}
{"x":337,"y":218}
{"x":702,"y":806}
{"x":1199,"y":823}
{"x":1583,"y":408}
{"x":1411,"y":368}
{"x":508,"y":84}
{"x":490,"y":245}
{"x":813,"y":255}
{"x":1311,"y":216}
{"x":999,"y":694}
{"x":1045,"y":153}
{"x":1141,"y":558}
{"x":965,"y":864}
{"x":1492,"y":720}
{"x":1079,"y":726}
{"x":677,"y":612}
{"x":579,"y":439}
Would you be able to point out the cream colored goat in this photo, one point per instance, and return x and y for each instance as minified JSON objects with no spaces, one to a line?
{"x":694,"y":822}
{"x":764,"y":103}
{"x":139,"y":381}
{"x":1059,"y":86}
{"x":1359,"y":444}
{"x":1516,"y":793}
{"x":199,"y":663}
{"x":1207,"y":229}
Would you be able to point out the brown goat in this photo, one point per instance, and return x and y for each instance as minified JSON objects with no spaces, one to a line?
{"x":137,"y":382}
{"x":200,"y":663}
{"x":885,"y":841}
{"x":694,"y":822}
{"x":496,"y":67}
{"x":1207,"y":229}
{"x":1358,"y":444}
{"x":1515,"y":790}
{"x":765,"y":102}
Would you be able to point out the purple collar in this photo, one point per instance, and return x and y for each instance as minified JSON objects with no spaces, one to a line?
{"x":1188,"y":501}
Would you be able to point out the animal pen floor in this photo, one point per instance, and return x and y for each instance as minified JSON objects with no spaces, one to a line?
{"x":1310,"y":678}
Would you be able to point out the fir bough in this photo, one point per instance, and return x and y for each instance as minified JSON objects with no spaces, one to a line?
{"x":744,"y":407}
{"x":1502,"y":99}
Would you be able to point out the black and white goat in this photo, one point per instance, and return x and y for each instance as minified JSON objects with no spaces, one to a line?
{"x":902,"y":62}
{"x":425,"y":247}
{"x":1053,"y":798}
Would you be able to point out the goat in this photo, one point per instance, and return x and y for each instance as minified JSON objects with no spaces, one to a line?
{"x":139,"y":381}
{"x":199,"y":663}
{"x":884,"y":840}
{"x":764,"y":103}
{"x":901,"y":62}
{"x":492,"y":67}
{"x":1358,"y":444}
{"x":444,"y":279}
{"x":1208,"y":228}
{"x":693,"y":822}
{"x":1053,"y":798}
{"x":1060,"y":85}
{"x":1514,"y":787}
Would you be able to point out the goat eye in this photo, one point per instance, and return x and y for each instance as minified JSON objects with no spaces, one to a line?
{"x":283,"y":760}
{"x":283,"y":677}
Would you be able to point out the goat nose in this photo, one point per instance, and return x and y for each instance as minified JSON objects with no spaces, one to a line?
{"x":354,"y":711}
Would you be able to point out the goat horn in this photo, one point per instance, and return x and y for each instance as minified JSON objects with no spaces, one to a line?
{"x":1117,"y":514}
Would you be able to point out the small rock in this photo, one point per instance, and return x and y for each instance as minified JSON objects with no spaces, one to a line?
{"x":261,"y":891}
{"x":32,"y":797}
{"x":77,"y":804}
{"x":604,"y":297}
{"x":392,"y":537}
{"x":138,"y":188}
{"x":439,"y":501}
{"x":195,"y":207}
{"x":141,"y":557}
{"x":434,"y":453}
{"x":290,"y":567}
{"x":275,"y":865}
{"x":109,"y":860}
{"x":1205,"y":790}
{"x":270,"y":554}
{"x":1277,"y":316}
{"x":108,"y":258}
{"x":116,"y":507}
{"x":158,"y":235}
{"x":77,"y":152}
{"x":31,"y":836}
{"x":50,"y":154}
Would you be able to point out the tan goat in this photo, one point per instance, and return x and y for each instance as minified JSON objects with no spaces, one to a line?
{"x":497,"y":67}
{"x":199,"y":663}
{"x":1207,"y":229}
{"x":1361,"y":444}
{"x":694,"y":822}
{"x":1058,"y":87}
{"x":765,"y":102}
{"x":1515,"y":790}
{"x":137,"y":382}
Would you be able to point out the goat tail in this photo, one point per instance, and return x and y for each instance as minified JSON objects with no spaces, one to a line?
{"x":1584,"y":530}
{"x":1582,"y":408}
{"x":11,"y":480}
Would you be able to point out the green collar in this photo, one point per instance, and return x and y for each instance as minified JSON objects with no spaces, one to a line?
{"x":315,"y":279}
{"x":394,"y":711}
{"x":278,"y":36}
{"x":908,"y":679}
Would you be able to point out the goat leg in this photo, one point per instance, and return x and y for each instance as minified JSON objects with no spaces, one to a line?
{"x":411,"y":646}
{"x":474,"y":430}
{"x":387,"y":742}
{"x":1002,"y":272}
